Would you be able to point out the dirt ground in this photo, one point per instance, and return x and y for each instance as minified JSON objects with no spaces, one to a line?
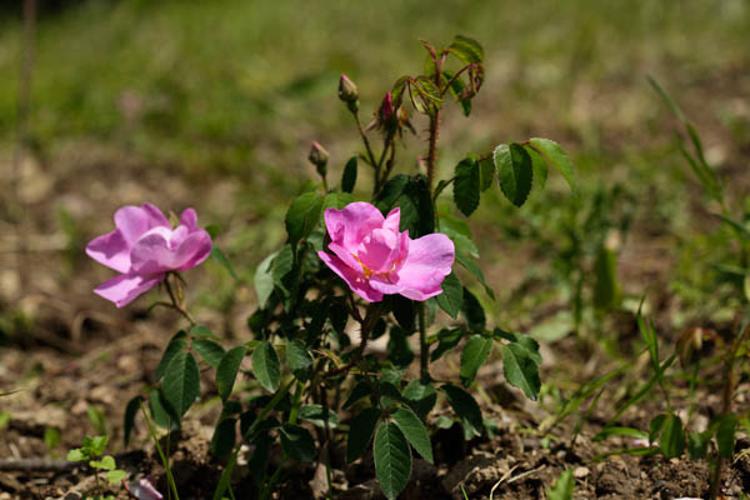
{"x":79,"y":353}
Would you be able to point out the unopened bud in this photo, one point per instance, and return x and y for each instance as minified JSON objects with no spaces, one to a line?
{"x":387,"y":113}
{"x":319,"y":157}
{"x":347,"y":90}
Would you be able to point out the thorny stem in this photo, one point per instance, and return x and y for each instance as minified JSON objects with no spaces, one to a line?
{"x":368,"y":148}
{"x":176,"y":297}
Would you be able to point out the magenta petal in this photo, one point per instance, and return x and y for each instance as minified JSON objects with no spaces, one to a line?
{"x":393,"y":220}
{"x":110,"y":250}
{"x":189,"y":218}
{"x":152,"y":254}
{"x":349,"y":225}
{"x":124,"y":289}
{"x":346,"y":256}
{"x":133,"y":221}
{"x":429,"y":261}
{"x":193,"y":251}
{"x":355,"y":280}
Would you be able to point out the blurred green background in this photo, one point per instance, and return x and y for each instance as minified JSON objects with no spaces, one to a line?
{"x":231,"y":92}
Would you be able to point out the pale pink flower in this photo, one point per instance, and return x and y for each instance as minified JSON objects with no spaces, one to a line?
{"x":144,"y":248}
{"x":374,"y":258}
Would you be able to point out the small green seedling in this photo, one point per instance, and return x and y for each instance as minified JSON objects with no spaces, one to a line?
{"x":92,"y":452}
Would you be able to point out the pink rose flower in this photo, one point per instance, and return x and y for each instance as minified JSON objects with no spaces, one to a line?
{"x":375,"y":258}
{"x":144,"y":248}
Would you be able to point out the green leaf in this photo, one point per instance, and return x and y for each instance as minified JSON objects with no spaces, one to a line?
{"x":349,"y":177}
{"x":563,"y":487}
{"x":181,"y":384}
{"x":606,"y":289}
{"x":359,"y":391}
{"x":297,"y":442}
{"x":211,"y":352}
{"x":75,"y":455}
{"x":316,"y":415}
{"x":202,"y":332}
{"x":414,"y":431}
{"x":361,"y":429}
{"x":515,"y":172}
{"x":107,"y":462}
{"x":630,"y":432}
{"x":452,"y":299}
{"x":282,"y":264}
{"x":466,"y":408}
{"x":223,"y":260}
{"x":457,"y":91}
{"x":420,"y":397}
{"x":52,"y":437}
{"x":158,"y":406}
{"x":298,"y":357}
{"x":725,"y":435}
{"x":521,"y":370}
{"x":697,"y":444}
{"x":447,"y":340}
{"x":467,"y":49}
{"x":266,"y":366}
{"x":475,"y":353}
{"x":413,"y":197}
{"x":263,"y":280}
{"x":117,"y":476}
{"x":539,"y":166}
{"x":226,"y":373}
{"x":392,"y":460}
{"x":486,"y":173}
{"x":668,"y":431}
{"x":473,"y":312}
{"x":131,"y":410}
{"x":177,"y":344}
{"x":526,"y":341}
{"x":555,"y":156}
{"x":223,"y":440}
{"x":303,"y":215}
{"x":466,"y":186}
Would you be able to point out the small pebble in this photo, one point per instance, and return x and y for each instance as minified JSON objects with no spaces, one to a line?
{"x":581,"y":472}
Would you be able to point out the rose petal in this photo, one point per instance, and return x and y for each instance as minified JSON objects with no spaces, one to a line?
{"x":429,"y":261}
{"x":110,"y":250}
{"x":193,"y":251}
{"x":378,"y":249}
{"x":134,"y":221}
{"x":125,"y":288}
{"x":350,"y":225}
{"x":189,"y":218}
{"x":153,"y":254}
{"x":355,"y":280}
{"x":393,"y":220}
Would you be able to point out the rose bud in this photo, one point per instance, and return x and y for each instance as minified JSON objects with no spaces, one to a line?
{"x":319,"y":157}
{"x":347,"y":90}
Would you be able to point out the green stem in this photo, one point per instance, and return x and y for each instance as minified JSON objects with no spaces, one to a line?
{"x":226,"y":476}
{"x":162,"y":455}
{"x":176,"y":298}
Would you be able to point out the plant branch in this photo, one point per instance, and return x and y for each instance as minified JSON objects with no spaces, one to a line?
{"x":177,"y":300}
{"x":424,"y":347}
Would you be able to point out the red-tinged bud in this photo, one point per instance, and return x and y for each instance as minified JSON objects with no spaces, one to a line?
{"x":347,"y":90}
{"x":319,"y":157}
{"x":387,"y":118}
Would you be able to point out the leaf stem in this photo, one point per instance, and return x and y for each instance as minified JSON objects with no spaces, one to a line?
{"x":177,"y":298}
{"x":164,"y":459}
